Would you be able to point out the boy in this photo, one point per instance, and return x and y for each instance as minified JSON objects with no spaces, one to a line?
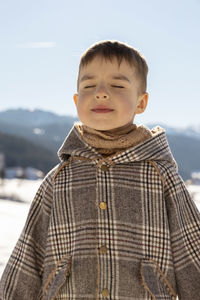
{"x":114,"y":220}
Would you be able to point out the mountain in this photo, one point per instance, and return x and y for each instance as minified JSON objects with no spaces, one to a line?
{"x":186,"y":151}
{"x":48,"y":130}
{"x":41,"y":127}
{"x":21,"y":152}
{"x":187,"y":131}
{"x":33,"y":118}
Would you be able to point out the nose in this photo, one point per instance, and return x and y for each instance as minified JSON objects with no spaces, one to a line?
{"x":101,"y":93}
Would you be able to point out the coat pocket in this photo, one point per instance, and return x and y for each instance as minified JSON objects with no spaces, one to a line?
{"x":155,"y":281}
{"x":57,"y":278}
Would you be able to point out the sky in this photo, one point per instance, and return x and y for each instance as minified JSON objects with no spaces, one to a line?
{"x":41,"y":43}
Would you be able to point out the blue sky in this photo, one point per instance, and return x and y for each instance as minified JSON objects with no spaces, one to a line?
{"x":42,"y":41}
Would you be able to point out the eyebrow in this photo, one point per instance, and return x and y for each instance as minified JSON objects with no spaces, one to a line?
{"x":117,"y":77}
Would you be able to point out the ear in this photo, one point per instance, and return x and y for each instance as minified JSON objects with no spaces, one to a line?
{"x":142,"y":103}
{"x":75,"y":99}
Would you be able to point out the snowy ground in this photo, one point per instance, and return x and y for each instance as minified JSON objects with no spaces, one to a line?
{"x":13,"y":213}
{"x":194,"y":191}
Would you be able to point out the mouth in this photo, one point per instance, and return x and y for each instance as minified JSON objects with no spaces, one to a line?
{"x":104,"y":110}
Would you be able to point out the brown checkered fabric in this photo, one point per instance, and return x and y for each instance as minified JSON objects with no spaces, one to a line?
{"x":120,"y":228}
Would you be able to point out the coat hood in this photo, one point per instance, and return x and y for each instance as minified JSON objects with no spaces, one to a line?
{"x":155,"y":148}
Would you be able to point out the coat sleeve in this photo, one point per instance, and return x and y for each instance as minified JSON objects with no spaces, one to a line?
{"x":184,"y":224}
{"x":21,"y":278}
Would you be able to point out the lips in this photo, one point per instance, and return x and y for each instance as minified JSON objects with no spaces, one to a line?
{"x":102,"y":108}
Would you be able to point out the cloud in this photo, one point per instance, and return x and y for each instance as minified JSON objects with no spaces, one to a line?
{"x":37,"y":45}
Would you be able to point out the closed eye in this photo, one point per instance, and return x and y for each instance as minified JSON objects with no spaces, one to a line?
{"x":89,"y":86}
{"x":118,"y":86}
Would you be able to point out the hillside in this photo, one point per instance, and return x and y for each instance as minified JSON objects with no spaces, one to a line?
{"x":35,"y":117}
{"x":40,"y":127}
{"x":186,"y":151}
{"x":21,"y":152}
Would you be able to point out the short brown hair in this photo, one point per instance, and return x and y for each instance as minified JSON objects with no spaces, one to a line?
{"x":110,"y":49}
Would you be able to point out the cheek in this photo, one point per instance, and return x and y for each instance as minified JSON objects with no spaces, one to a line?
{"x":81,"y":100}
{"x":82,"y":105}
{"x":126,"y":104}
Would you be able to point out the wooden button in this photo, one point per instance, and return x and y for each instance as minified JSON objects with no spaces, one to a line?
{"x":104,"y":168}
{"x":103,"y":205}
{"x":103,"y":249}
{"x":105,"y":292}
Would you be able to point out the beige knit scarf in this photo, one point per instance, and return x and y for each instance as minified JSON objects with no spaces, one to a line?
{"x":108,"y":142}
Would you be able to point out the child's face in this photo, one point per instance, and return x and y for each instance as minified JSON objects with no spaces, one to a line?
{"x":104,"y":83}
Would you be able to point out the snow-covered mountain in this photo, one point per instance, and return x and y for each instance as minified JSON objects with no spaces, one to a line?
{"x":190,"y":131}
{"x":33,"y":118}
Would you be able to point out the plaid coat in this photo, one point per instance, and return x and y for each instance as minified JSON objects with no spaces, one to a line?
{"x":121,"y":228}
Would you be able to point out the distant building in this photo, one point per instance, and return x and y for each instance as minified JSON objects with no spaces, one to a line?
{"x":14,"y":172}
{"x":33,"y":174}
{"x":24,"y":173}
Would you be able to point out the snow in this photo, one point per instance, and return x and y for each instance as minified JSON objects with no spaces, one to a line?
{"x":13,"y":214}
{"x":22,"y":190}
{"x":194,"y":191}
{"x":38,"y":131}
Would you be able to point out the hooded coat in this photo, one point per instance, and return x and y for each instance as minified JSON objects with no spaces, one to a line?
{"x":122,"y":228}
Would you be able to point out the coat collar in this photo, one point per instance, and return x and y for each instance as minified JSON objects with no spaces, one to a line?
{"x":155,"y":148}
